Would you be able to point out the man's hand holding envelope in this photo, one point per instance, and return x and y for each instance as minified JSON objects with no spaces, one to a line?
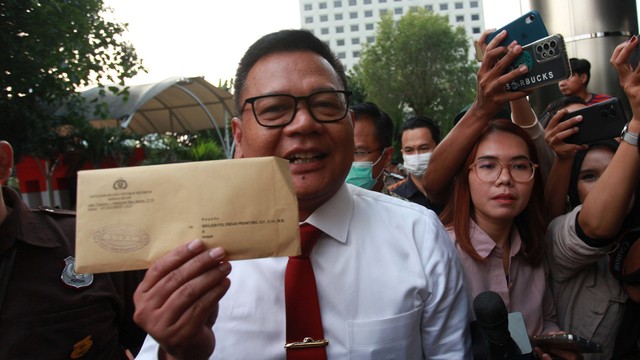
{"x":130,"y":217}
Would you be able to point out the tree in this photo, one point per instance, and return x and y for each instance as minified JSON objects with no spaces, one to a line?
{"x":50,"y":49}
{"x":420,"y":65}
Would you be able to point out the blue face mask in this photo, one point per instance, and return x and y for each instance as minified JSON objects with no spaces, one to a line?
{"x":361,"y":174}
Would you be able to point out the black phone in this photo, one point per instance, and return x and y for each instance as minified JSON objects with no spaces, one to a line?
{"x":600,"y":121}
{"x":568,"y":342}
{"x":547,"y":62}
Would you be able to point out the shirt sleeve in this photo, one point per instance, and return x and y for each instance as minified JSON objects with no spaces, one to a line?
{"x":445,"y":319}
{"x":568,"y":253}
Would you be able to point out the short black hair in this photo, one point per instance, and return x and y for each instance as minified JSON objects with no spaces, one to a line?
{"x":283,"y":41}
{"x":381,"y":121}
{"x":581,"y":66}
{"x":417,"y":122}
{"x":558,"y":104}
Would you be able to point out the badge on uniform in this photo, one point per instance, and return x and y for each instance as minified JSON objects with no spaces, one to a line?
{"x":73,"y":279}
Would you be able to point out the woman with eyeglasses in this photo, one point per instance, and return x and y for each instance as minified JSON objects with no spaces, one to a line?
{"x":494,"y":208}
{"x":495,"y":217}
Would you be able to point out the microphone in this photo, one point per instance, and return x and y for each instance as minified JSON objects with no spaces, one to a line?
{"x":492,"y":330}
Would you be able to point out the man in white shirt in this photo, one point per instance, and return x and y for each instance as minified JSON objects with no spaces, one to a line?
{"x":389,"y":281}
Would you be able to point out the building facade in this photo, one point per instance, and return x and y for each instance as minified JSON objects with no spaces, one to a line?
{"x":346,"y":25}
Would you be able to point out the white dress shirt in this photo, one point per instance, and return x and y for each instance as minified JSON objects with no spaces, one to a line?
{"x":389,"y":283}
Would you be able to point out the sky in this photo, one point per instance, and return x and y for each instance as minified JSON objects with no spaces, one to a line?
{"x":208,"y":37}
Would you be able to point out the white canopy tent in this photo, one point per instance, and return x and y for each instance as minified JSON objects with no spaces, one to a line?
{"x":176,"y":104}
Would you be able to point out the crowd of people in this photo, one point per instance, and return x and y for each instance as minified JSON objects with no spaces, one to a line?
{"x":501,"y":203}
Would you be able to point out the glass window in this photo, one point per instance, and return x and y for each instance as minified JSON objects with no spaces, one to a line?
{"x":382,"y":1}
{"x":342,"y":55}
{"x":459,"y":18}
{"x":324,"y":31}
{"x":338,"y":17}
{"x":367,"y":2}
{"x":428,"y":7}
{"x":322,"y":5}
{"x":356,"y":54}
{"x":308,"y":7}
{"x":337,"y":4}
{"x":371,"y":39}
{"x":355,"y":27}
{"x":444,"y":7}
{"x":368,"y":26}
{"x":383,"y":11}
{"x":458,"y":5}
{"x":475,"y":17}
{"x":368,"y":13}
{"x":473,"y":4}
{"x":339,"y":29}
{"x":308,"y":20}
{"x":476,"y":30}
{"x":324,"y":18}
{"x":353,"y":15}
{"x":352,"y":3}
{"x":397,"y":11}
{"x":413,"y":8}
{"x":355,"y":41}
{"x":340,"y":42}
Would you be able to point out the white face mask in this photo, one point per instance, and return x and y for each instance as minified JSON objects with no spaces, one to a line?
{"x":417,"y":164}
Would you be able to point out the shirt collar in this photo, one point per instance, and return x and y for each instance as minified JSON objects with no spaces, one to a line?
{"x":334,"y":216}
{"x":22,"y":224}
{"x":484,"y":245}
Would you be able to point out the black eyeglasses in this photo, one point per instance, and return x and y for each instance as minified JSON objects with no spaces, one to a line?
{"x":278,"y":110}
{"x":490,"y":170}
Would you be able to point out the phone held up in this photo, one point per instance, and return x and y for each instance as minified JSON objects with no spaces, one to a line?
{"x":525,"y":30}
{"x":600,"y":121}
{"x":568,"y":342}
{"x":547,"y":62}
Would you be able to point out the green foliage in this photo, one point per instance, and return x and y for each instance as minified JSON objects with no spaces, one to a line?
{"x":172,"y":148}
{"x":49,"y":50}
{"x":418,"y":65}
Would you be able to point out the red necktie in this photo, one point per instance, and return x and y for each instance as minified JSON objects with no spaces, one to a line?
{"x":305,"y":337}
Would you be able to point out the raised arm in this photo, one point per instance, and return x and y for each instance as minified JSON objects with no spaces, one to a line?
{"x":491,"y":97}
{"x":607,"y":204}
{"x":557,"y":184}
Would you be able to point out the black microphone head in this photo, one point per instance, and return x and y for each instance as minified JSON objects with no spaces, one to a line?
{"x":491,"y":314}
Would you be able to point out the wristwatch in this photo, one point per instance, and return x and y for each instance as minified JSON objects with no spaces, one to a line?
{"x":629,"y":137}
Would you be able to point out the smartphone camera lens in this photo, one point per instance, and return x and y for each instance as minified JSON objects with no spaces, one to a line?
{"x":551,"y":52}
{"x":546,"y":46}
{"x":553,"y":43}
{"x":539,"y":48}
{"x":544,"y":55}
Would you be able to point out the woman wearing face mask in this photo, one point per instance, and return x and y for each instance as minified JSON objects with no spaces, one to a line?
{"x":419,"y":136}
{"x":594,"y":252}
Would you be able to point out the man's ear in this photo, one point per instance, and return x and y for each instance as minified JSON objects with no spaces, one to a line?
{"x":236,"y":129}
{"x":386,"y":157}
{"x":583,"y":78}
{"x":6,"y":160}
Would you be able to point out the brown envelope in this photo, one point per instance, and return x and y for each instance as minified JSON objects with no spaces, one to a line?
{"x":127,"y":218}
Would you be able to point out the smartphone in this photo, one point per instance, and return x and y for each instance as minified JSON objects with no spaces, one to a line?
{"x":568,"y":342}
{"x":525,"y":30}
{"x":600,"y":121}
{"x":547,"y":62}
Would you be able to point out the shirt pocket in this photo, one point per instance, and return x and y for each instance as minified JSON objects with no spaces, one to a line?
{"x":396,"y":337}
